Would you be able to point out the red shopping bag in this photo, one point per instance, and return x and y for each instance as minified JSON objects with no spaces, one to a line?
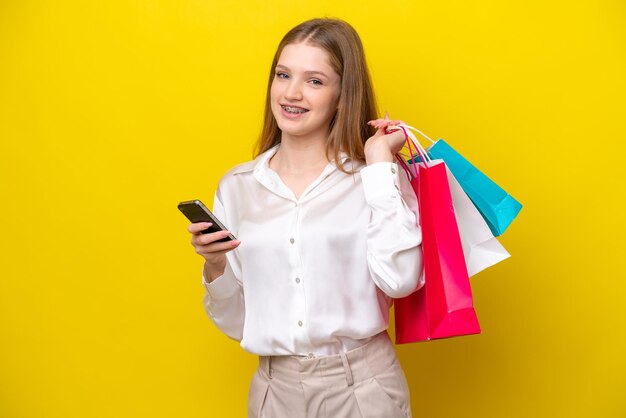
{"x":443,"y":307}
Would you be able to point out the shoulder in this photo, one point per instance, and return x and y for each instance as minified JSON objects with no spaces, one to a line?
{"x":245,"y":171}
{"x":348,"y":165}
{"x":242,"y":168}
{"x":234,"y":176}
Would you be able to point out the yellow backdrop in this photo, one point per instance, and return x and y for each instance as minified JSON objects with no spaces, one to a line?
{"x":113,"y":112}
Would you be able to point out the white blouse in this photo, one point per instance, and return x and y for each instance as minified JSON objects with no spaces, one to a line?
{"x":314,"y":275}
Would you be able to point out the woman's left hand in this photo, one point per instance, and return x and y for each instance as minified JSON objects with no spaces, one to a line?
{"x":384,"y":146}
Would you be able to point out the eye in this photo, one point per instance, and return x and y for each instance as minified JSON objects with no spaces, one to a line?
{"x":281,"y":75}
{"x":316,"y":82}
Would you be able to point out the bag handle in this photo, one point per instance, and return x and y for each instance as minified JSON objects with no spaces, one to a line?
{"x":406,"y":167}
{"x":408,"y":134}
{"x":416,"y":130}
{"x":412,"y":175}
{"x":411,"y":142}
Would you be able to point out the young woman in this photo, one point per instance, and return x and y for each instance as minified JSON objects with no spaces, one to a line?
{"x":327,"y":236}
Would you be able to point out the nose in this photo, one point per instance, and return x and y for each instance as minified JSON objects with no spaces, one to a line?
{"x":294,"y":90}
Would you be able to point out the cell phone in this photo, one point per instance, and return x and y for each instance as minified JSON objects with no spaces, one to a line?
{"x":196,"y":212}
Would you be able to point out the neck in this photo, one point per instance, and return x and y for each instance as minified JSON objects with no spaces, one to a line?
{"x":298,"y":154}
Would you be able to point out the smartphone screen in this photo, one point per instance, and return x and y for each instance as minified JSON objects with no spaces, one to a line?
{"x":196,"y":212}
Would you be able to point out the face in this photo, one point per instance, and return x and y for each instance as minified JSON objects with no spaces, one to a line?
{"x":304,"y":92}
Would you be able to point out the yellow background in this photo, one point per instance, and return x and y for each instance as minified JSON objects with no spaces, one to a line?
{"x":113,"y":112}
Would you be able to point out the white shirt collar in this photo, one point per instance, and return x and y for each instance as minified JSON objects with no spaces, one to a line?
{"x":271,"y":180}
{"x":261,"y":162}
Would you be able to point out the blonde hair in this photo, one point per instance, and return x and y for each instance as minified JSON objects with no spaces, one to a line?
{"x":357,"y":104}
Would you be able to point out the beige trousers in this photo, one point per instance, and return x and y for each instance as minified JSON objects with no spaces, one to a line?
{"x":366,"y":382}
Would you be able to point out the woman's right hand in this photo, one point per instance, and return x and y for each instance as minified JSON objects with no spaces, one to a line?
{"x":214,"y":253}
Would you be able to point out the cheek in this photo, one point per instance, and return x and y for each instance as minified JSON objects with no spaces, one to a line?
{"x":335,"y":102}
{"x":274,"y":94}
{"x":273,"y":90}
{"x":332,"y":101}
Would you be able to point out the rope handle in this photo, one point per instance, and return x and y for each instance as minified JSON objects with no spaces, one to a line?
{"x":416,"y":130}
{"x":414,"y":146}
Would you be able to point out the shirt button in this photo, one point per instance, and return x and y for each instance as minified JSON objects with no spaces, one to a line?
{"x":299,"y":323}
{"x":291,"y":240}
{"x":297,"y":280}
{"x":393,"y":170}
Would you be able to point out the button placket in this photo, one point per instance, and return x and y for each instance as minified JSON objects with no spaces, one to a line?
{"x":299,"y":301}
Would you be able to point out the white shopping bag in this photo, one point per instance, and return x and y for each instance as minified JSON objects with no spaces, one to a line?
{"x":480,"y":247}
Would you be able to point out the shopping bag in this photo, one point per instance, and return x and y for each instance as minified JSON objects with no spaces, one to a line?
{"x":497,"y":207}
{"x":443,"y":306}
{"x":480,"y":248}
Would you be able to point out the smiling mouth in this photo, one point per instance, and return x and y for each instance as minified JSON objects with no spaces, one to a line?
{"x":294,"y":110}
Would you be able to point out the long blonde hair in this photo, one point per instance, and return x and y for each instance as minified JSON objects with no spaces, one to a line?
{"x":357,"y":104}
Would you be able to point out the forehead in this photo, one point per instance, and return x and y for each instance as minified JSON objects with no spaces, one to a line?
{"x":305,"y":57}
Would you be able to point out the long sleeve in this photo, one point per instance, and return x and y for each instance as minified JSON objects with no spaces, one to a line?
{"x":223,"y":300}
{"x":394,"y":238}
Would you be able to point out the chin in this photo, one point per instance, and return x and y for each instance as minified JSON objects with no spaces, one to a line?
{"x":291,"y":131}
{"x":290,"y":127}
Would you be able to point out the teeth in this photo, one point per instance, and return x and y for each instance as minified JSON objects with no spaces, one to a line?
{"x":294,"y":109}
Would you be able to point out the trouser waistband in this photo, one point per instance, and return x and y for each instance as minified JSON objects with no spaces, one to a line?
{"x":353,"y":365}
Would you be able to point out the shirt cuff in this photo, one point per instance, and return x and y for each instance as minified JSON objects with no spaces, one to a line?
{"x":222,"y":287}
{"x":380,"y":180}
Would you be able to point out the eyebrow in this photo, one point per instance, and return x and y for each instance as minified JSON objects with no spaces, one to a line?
{"x":312,"y":72}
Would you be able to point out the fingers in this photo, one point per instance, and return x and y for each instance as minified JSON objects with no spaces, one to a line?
{"x":197,"y":228}
{"x":198,"y":239}
{"x":381,"y":127}
{"x":209,"y":238}
{"x":389,"y":129}
{"x":384,"y":121}
{"x":208,"y":245}
{"x":383,"y":124}
{"x":216,"y":249}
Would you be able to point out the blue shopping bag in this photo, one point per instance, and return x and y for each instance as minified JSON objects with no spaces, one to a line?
{"x":497,"y":207}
